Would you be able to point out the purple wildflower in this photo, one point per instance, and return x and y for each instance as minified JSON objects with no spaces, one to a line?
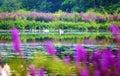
{"x":90,"y":17}
{"x":117,"y":38}
{"x":50,"y":48}
{"x":111,"y":17}
{"x":15,"y":39}
{"x":99,"y":17}
{"x":118,"y":61}
{"x":104,"y":65}
{"x":3,"y":41}
{"x":96,"y":72}
{"x":66,"y":59}
{"x":108,"y":60}
{"x":115,"y":32}
{"x":87,"y":18}
{"x":41,"y":71}
{"x":84,"y":72}
{"x":32,"y":70}
{"x":81,"y":14}
{"x":80,"y":53}
{"x":118,"y":17}
{"x":108,"y":57}
{"x":42,"y":16}
{"x":114,"y":29}
{"x":97,"y":54}
{"x":95,"y":58}
{"x":87,"y":40}
{"x":104,"y":62}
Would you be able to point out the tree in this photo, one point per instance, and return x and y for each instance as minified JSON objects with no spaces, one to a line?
{"x":1,"y":2}
{"x":11,"y":5}
{"x":84,"y":5}
{"x":55,"y":5}
{"x":37,"y":5}
{"x":78,"y":5}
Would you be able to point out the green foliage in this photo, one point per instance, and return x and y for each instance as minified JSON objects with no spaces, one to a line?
{"x":1,"y":2}
{"x":11,"y":5}
{"x":116,"y":23}
{"x":17,"y":65}
{"x":23,"y":11}
{"x":55,"y":5}
{"x":36,"y":5}
{"x":26,"y":24}
{"x":51,"y":64}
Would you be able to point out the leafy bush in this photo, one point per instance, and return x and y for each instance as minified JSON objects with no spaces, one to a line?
{"x":25,"y":24}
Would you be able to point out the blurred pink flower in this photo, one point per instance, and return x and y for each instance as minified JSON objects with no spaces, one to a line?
{"x":114,"y":29}
{"x":96,"y":72}
{"x":50,"y":48}
{"x":32,"y":70}
{"x":118,"y":61}
{"x":80,"y":53}
{"x":84,"y":72}
{"x":41,"y":72}
{"x":15,"y":40}
{"x":115,"y":32}
{"x":66,"y":59}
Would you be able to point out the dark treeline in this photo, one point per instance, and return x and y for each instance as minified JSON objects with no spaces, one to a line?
{"x":54,"y":5}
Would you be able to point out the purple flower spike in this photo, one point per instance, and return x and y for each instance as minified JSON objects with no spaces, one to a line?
{"x":104,"y":63}
{"x":41,"y":72}
{"x":50,"y":48}
{"x":106,"y":58}
{"x":115,"y":32}
{"x":32,"y":70}
{"x":80,"y":53}
{"x":118,"y":61}
{"x":15,"y":39}
{"x":97,"y":54}
{"x":110,"y":57}
{"x":84,"y":72}
{"x":66,"y":60}
{"x":107,"y":61}
{"x":96,"y":73}
{"x":117,"y":39}
{"x":114,"y":29}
